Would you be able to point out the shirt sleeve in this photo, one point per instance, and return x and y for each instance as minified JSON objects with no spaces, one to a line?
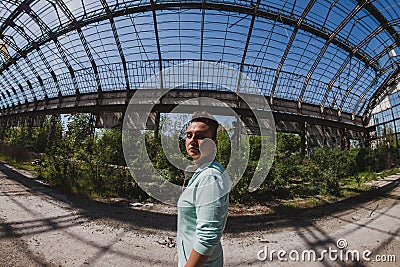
{"x":211,"y":211}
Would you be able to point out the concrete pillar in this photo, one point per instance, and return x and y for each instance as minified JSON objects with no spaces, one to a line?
{"x":344,"y":139}
{"x":304,"y":139}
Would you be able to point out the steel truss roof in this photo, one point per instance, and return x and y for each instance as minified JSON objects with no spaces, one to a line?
{"x":336,"y":55}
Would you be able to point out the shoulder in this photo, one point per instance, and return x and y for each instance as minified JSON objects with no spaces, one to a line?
{"x":212,"y":169}
{"x":214,"y":174}
{"x":213,"y":166}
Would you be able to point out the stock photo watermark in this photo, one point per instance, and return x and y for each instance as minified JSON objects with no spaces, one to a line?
{"x":340,"y":252}
{"x":197,"y":76}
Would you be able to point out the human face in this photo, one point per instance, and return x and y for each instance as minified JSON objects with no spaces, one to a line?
{"x":199,"y":143}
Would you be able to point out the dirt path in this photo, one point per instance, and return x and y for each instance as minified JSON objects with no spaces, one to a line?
{"x":41,"y":227}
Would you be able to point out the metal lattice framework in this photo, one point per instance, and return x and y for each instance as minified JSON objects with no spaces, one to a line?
{"x":310,"y":58}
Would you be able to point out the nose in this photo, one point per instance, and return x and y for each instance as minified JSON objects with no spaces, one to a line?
{"x":193,"y":140}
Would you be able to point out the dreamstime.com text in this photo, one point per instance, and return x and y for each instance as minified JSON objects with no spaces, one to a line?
{"x":338,"y":253}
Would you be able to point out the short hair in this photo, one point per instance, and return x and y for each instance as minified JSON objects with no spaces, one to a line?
{"x":208,"y":119}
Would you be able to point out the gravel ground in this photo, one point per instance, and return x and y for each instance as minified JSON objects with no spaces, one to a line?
{"x":42,"y":227}
{"x":14,"y":251}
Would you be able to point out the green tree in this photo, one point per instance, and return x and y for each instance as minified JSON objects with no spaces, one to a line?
{"x":108,"y":147}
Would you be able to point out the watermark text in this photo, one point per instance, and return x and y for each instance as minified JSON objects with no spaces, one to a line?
{"x":338,"y":253}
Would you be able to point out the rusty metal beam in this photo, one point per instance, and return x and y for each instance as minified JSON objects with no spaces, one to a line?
{"x":35,"y":46}
{"x":6,"y":98}
{"x":267,"y":14}
{"x":382,"y":20}
{"x":288,"y":47}
{"x":15,"y":14}
{"x":82,"y":37}
{"x":391,"y":79}
{"x":12,"y":44}
{"x":384,"y":52}
{"x":366,"y":40}
{"x":396,"y":36}
{"x":261,"y":13}
{"x":110,"y":17}
{"x":12,"y":88}
{"x":115,"y":102}
{"x":352,"y":85}
{"x":153,"y":10}
{"x":214,"y":6}
{"x":45,"y":28}
{"x":321,"y":53}
{"x":203,"y":14}
{"x":253,"y":18}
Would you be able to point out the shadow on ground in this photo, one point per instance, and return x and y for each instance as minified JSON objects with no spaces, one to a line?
{"x":152,"y":220}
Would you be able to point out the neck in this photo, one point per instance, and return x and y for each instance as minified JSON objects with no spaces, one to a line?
{"x":202,"y":160}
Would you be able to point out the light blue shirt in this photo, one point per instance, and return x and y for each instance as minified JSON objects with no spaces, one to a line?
{"x":202,"y":214}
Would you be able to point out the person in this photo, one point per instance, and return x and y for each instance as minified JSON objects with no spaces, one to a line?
{"x":203,"y":205}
